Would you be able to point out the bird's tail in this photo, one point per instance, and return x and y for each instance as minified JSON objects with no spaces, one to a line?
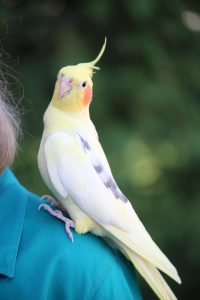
{"x":150,"y":274}
{"x":149,"y":251}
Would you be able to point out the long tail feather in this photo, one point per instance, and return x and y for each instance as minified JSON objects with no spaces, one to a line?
{"x":157,"y":258}
{"x":151,"y":275}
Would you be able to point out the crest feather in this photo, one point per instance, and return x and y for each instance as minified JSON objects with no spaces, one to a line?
{"x":91,"y":65}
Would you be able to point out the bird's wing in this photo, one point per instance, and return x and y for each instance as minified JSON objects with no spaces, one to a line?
{"x":75,"y":169}
{"x":84,"y":174}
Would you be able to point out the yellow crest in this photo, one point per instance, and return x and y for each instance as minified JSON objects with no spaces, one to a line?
{"x":91,"y":65}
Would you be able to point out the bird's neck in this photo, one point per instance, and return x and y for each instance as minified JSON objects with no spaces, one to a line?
{"x":56,"y":119}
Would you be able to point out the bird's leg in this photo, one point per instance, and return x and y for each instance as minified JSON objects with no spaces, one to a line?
{"x":58,"y":214}
{"x":53,"y":201}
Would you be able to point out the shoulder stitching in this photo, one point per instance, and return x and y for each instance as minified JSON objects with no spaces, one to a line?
{"x":107,"y":272}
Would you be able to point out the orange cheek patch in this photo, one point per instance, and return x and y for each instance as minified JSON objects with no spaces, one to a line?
{"x":87,"y":95}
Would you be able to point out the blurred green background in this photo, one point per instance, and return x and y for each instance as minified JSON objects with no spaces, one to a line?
{"x":146,"y":104}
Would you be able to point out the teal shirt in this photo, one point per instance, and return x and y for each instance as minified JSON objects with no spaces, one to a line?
{"x":39,"y":262}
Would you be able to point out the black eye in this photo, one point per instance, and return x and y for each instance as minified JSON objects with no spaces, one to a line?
{"x":84,"y":83}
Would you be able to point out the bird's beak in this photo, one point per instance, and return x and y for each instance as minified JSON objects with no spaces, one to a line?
{"x":65,"y":85}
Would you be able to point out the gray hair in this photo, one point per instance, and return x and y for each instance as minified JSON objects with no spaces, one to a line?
{"x":9,"y":128}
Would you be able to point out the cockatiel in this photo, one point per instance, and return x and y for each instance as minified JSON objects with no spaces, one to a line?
{"x":74,"y":167}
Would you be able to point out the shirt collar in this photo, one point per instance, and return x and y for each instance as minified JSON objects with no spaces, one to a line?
{"x":13,"y":201}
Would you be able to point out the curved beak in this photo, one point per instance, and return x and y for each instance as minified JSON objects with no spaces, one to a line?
{"x":65,"y":85}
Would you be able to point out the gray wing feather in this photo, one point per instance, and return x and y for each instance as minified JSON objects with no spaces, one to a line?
{"x":106,"y":178}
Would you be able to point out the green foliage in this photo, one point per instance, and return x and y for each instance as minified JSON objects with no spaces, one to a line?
{"x":146,"y":105}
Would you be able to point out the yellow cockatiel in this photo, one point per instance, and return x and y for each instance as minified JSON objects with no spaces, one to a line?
{"x":74,"y":167}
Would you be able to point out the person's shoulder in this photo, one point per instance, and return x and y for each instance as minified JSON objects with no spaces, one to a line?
{"x":89,"y":263}
{"x":50,"y":233}
{"x":52,"y":225}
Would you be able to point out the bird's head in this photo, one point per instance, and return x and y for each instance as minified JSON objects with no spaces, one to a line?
{"x":73,"y":89}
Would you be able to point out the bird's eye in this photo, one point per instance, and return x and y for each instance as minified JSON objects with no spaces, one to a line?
{"x":84,"y":83}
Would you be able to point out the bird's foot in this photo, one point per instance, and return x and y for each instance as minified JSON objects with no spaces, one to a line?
{"x":58,"y":214}
{"x":53,"y":201}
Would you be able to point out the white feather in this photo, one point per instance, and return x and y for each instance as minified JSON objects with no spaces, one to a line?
{"x":72,"y":167}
